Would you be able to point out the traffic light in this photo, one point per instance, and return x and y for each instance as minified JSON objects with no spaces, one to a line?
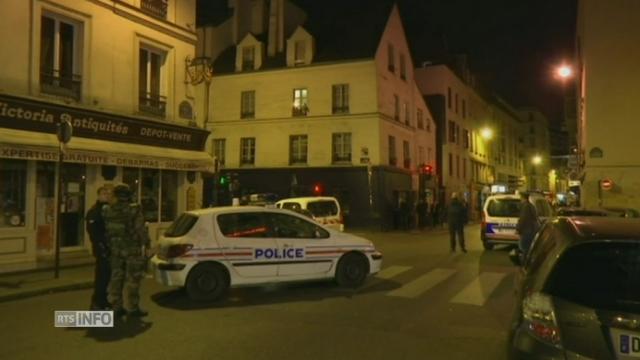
{"x":426,"y":170}
{"x":317,"y":189}
{"x":224,"y":180}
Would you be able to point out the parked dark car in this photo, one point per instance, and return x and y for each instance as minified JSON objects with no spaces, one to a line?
{"x":624,"y":212}
{"x":578,"y":292}
{"x":572,"y":211}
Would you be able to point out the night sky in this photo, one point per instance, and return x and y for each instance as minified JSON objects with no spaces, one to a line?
{"x":512,"y":45}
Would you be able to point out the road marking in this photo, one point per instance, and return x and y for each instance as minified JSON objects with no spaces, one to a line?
{"x":479,"y":290}
{"x":425,"y":282}
{"x":392,"y":271}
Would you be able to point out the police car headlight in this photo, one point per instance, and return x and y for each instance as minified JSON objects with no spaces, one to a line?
{"x":177,"y":250}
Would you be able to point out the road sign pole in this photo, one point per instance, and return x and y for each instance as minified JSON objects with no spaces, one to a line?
{"x":64,"y":133}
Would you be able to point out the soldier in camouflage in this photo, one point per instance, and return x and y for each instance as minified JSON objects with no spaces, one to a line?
{"x":128,"y":238}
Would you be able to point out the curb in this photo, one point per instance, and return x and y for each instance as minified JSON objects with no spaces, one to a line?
{"x":49,"y":290}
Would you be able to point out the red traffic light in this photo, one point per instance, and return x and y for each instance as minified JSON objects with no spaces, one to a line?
{"x":317,"y":189}
{"x":426,"y":169}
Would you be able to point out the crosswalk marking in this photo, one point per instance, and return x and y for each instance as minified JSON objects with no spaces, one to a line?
{"x":423,"y":283}
{"x":478,"y":291}
{"x":392,"y":271}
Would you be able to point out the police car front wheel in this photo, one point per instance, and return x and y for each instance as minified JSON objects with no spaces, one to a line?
{"x":352,"y":270}
{"x":207,"y":282}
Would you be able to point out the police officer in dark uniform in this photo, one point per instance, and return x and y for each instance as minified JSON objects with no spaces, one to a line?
{"x":101,"y":250}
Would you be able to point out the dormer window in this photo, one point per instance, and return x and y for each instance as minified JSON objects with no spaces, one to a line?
{"x":300,"y":48}
{"x":248,"y":58}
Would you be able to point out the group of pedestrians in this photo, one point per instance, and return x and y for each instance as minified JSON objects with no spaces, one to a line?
{"x":120,"y":244}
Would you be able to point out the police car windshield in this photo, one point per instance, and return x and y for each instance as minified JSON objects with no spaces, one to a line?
{"x":181,"y":225}
{"x":504,"y":208}
{"x":323,"y":208}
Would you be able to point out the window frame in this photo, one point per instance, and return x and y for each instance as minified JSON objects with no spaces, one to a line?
{"x":219,"y":150}
{"x":300,"y":102}
{"x":339,"y":147}
{"x":150,"y":103}
{"x":298,"y":149}
{"x":248,"y":146}
{"x":248,"y":104}
{"x":340,"y":99}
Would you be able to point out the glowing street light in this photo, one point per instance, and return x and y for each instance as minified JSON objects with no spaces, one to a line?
{"x":486,"y":133}
{"x":537,"y":160}
{"x":564,"y":71}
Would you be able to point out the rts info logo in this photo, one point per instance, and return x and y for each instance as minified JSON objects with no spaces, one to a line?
{"x":83,"y":319}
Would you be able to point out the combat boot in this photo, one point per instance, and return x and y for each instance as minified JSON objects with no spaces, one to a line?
{"x":138,"y":313}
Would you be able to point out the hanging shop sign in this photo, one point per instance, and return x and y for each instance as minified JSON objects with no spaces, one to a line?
{"x":32,"y":115}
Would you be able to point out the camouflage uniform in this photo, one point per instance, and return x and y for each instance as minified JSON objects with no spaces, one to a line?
{"x":127,"y":235}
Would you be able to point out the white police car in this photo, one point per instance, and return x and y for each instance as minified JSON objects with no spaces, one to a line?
{"x":209,"y":250}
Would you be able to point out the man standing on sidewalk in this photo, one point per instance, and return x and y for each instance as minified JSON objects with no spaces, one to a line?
{"x":457,"y":217}
{"x":101,"y":250}
{"x":129,"y":239}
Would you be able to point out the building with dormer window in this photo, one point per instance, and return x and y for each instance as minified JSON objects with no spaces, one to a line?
{"x":326,"y":107}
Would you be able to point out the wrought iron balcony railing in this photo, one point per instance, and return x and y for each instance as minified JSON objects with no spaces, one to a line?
{"x":153,"y":104}
{"x":52,"y":82}
{"x":157,"y":8}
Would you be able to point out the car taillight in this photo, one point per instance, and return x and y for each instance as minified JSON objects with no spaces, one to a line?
{"x":540,"y":318}
{"x":174,"y":251}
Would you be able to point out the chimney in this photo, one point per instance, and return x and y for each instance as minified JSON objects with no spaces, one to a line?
{"x":273,"y":30}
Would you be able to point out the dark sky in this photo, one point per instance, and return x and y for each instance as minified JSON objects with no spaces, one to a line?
{"x":512,"y":45}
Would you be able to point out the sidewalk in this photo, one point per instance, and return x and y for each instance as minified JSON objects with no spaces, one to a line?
{"x":38,"y":282}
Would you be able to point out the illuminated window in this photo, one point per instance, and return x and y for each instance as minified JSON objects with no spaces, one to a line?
{"x":300,"y":102}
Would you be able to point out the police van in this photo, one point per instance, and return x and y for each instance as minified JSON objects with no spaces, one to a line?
{"x":500,"y":216}
{"x":209,"y":250}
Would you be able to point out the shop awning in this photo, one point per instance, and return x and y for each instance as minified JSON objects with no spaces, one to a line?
{"x":18,"y":144}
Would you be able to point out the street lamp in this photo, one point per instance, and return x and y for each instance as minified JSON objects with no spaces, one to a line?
{"x":564,"y":71}
{"x":536,"y":160}
{"x":486,"y":133}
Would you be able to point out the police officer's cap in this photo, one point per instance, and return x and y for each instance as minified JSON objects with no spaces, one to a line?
{"x":122,"y":191}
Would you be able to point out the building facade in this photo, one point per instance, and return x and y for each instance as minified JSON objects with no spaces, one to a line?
{"x":607,"y":77}
{"x":476,"y":146}
{"x":536,"y":150}
{"x":291,"y":115}
{"x":115,"y":72}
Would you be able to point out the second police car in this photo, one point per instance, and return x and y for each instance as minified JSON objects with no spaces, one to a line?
{"x":209,"y":250}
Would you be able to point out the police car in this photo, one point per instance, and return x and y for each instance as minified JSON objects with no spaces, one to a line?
{"x":209,"y":250}
{"x":500,"y":216}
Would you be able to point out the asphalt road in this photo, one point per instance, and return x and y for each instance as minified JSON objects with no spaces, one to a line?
{"x":425,"y":304}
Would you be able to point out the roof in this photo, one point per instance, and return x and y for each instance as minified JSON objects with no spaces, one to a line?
{"x":604,"y":228}
{"x":310,"y":198}
{"x":337,"y":37}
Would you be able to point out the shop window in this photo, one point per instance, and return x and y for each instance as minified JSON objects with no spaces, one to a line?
{"x":13,"y":185}
{"x":72,"y":217}
{"x":131,"y":177}
{"x":45,"y":205}
{"x":149,"y":190}
{"x":169,"y":195}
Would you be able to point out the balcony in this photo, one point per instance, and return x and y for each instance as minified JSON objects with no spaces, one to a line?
{"x":300,"y":110}
{"x":68,"y":85}
{"x":153,"y":104}
{"x":155,"y":8}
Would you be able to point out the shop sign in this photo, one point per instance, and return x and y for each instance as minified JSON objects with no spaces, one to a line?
{"x":98,"y":158}
{"x":31,"y":115}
